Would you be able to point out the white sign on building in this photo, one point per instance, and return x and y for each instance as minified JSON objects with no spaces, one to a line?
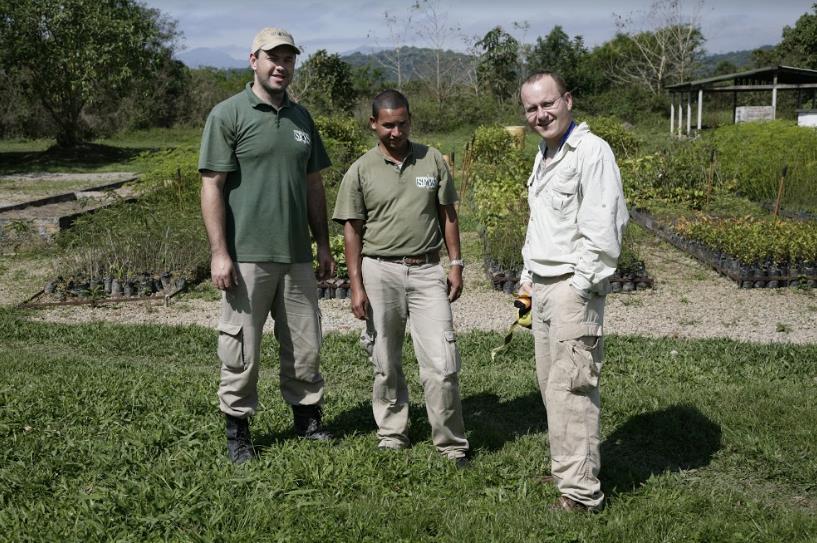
{"x":748,"y":114}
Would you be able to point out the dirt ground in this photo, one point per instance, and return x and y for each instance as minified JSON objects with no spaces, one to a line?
{"x":688,"y":301}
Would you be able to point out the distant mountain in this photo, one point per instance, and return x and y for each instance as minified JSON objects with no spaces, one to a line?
{"x":741,"y":59}
{"x":413,"y":61}
{"x":204,"y":56}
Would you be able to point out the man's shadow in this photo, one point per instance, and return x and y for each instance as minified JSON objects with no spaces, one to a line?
{"x":673,"y":439}
{"x":489,"y":421}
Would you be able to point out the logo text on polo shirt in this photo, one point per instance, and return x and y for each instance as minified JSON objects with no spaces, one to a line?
{"x":427,"y":182}
{"x":301,"y":137}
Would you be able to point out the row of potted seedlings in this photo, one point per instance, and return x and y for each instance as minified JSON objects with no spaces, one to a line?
{"x":628,"y":279}
{"x":765,"y":274}
{"x":106,"y":286}
{"x":337,"y":287}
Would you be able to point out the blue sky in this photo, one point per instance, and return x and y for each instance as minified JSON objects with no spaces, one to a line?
{"x":340,"y":26}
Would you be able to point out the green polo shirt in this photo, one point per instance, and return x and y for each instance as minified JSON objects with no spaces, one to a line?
{"x":267,"y":153}
{"x":398,"y":203}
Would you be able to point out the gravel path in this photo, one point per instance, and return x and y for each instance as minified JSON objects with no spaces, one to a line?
{"x":688,"y":301}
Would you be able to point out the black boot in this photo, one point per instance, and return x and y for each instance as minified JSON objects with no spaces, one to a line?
{"x":239,"y":442}
{"x":308,"y":422}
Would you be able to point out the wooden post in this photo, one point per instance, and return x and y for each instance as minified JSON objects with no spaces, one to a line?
{"x":774,"y":98}
{"x":700,"y":107}
{"x":780,"y":188}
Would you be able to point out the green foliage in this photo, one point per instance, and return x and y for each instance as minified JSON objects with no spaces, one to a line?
{"x":624,"y":142}
{"x":161,"y":231}
{"x":324,"y":83}
{"x":336,"y":248}
{"x":496,"y":70}
{"x":754,"y":154}
{"x":80,"y":53}
{"x":798,"y":46}
{"x":627,"y":102}
{"x":753,"y":240}
{"x":497,"y":177}
{"x":345,"y":141}
{"x":119,"y":437}
{"x":556,"y":52}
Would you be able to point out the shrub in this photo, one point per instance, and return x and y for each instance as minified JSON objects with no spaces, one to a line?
{"x":754,"y":154}
{"x":754,"y":240}
{"x":623,"y":141}
{"x":161,"y":231}
{"x":497,"y":174}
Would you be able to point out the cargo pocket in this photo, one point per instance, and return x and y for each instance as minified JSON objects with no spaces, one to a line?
{"x":367,"y":341}
{"x":452,"y":353}
{"x":585,"y":353}
{"x":231,"y":345}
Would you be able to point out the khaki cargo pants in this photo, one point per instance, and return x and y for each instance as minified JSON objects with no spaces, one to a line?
{"x":287,"y":292}
{"x":397,"y":292}
{"x":567,"y":331}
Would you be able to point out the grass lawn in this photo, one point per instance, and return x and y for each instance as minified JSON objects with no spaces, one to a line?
{"x":113,"y":433}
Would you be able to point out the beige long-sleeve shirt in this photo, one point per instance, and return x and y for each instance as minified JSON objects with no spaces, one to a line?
{"x":577,"y":213}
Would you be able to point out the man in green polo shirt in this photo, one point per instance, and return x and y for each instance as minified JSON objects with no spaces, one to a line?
{"x":260,"y":163}
{"x":396,"y":203}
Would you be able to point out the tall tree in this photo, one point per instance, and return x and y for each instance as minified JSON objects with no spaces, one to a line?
{"x":442,"y":75}
{"x":325,"y":83}
{"x":80,"y":52}
{"x":398,"y":29}
{"x":664,"y":48}
{"x":498,"y":67}
{"x":798,"y":46}
{"x":556,"y":52}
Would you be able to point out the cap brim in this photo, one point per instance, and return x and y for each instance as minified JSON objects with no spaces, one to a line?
{"x":269,"y":46}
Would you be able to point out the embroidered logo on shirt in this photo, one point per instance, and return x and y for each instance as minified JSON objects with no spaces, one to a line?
{"x":301,"y":137}
{"x":427,"y":182}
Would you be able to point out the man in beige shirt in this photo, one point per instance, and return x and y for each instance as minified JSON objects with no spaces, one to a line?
{"x":396,"y":203}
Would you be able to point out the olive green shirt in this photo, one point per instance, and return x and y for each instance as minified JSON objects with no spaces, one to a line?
{"x":267,"y":154}
{"x":399,"y":203}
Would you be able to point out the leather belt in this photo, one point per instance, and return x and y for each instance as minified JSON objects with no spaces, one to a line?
{"x":418,"y":260}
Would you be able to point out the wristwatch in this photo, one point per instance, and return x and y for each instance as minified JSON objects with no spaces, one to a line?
{"x":456,"y":262}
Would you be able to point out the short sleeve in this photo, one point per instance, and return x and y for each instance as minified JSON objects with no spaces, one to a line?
{"x":217,"y":151}
{"x":349,"y":203}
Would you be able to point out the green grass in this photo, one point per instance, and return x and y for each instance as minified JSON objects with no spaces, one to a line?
{"x":113,"y":432}
{"x":117,"y":153}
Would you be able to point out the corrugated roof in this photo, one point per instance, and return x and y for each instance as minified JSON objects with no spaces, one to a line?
{"x":785,"y":75}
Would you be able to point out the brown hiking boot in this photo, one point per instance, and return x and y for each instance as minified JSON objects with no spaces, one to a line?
{"x":570,"y":505}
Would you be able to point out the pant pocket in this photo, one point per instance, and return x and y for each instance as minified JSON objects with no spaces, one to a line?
{"x":452,"y":353}
{"x":231,"y":345}
{"x":367,"y":341}
{"x":585,"y":354}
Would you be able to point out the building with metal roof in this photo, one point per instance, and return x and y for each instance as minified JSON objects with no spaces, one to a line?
{"x":773,"y":79}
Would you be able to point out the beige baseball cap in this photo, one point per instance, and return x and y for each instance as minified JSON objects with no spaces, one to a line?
{"x":270,"y":38}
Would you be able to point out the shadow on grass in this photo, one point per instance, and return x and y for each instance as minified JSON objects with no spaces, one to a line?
{"x":87,"y":155}
{"x":490,"y":422}
{"x":673,"y":439}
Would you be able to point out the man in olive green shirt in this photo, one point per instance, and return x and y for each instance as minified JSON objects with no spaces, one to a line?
{"x":397,"y":206}
{"x":261,"y":158}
